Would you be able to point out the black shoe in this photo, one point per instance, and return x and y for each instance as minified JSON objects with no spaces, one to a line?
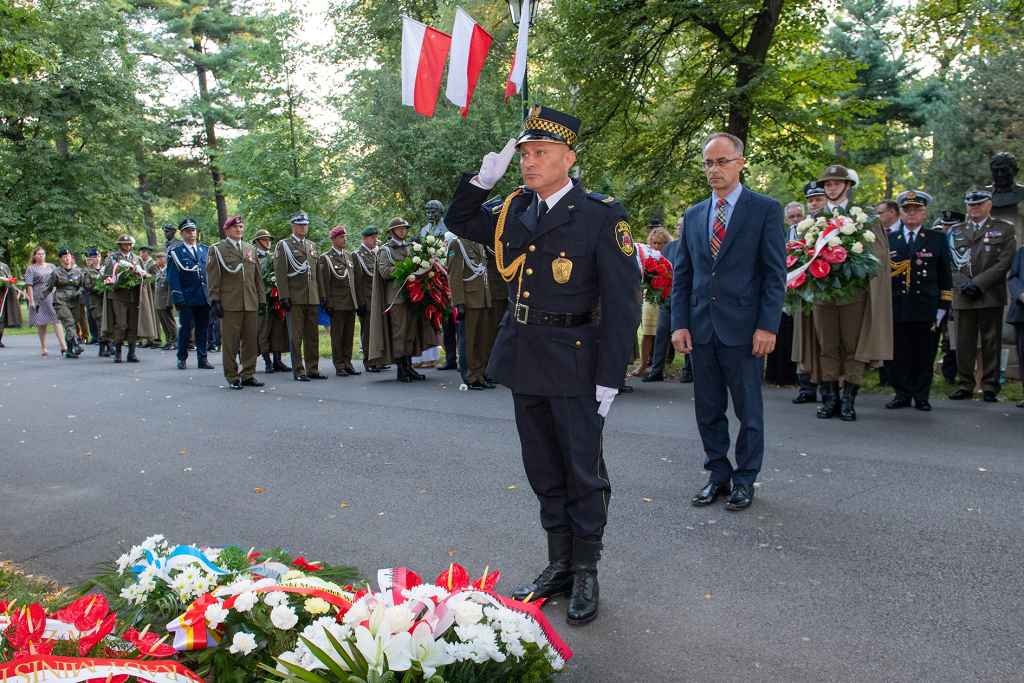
{"x":449,"y":365}
{"x":385,"y":367}
{"x":169,"y":346}
{"x":117,"y":352}
{"x":476,"y":386}
{"x":301,"y":378}
{"x":252,"y":382}
{"x":278,"y":365}
{"x":268,"y":364}
{"x":204,"y":365}
{"x":585,"y":590}
{"x":654,"y":377}
{"x":411,"y":371}
{"x":741,"y":497}
{"x":804,"y":398}
{"x":236,"y":384}
{"x":625,"y":389}
{"x":371,"y":368}
{"x":846,"y":410}
{"x":488,"y":384}
{"x":352,"y":371}
{"x":990,"y":397}
{"x":556,"y":579}
{"x":93,"y":342}
{"x":341,"y":373}
{"x":900,"y":403}
{"x":489,"y":380}
{"x":830,"y":400}
{"x":317,"y":375}
{"x":960,"y":395}
{"x":1020,"y":404}
{"x":132,"y":358}
{"x":686,"y":378}
{"x":181,"y":365}
{"x":710,"y":493}
{"x":923,"y":405}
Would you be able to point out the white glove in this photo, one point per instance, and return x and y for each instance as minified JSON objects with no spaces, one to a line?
{"x":939,"y":316}
{"x":494,"y":166}
{"x":605,"y":396}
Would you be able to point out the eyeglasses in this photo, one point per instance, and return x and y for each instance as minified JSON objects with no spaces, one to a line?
{"x":711,"y":163}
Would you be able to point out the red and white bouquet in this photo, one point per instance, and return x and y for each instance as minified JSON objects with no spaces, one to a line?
{"x":426,"y":292}
{"x":830,"y":260}
{"x":657,"y":284}
{"x":124,"y":276}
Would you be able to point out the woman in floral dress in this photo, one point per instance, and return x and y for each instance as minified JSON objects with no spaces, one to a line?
{"x":35,"y":280}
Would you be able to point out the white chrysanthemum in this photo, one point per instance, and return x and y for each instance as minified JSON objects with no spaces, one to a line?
{"x":152,"y":542}
{"x":190,"y":573}
{"x":130,"y":592}
{"x":212,"y":554}
{"x":357,"y":614}
{"x":241,"y":584}
{"x":515,"y":649}
{"x":123,"y":562}
{"x":292,"y":658}
{"x":425,"y":590}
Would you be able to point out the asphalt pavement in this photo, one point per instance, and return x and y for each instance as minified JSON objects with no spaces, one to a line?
{"x":888,"y":549}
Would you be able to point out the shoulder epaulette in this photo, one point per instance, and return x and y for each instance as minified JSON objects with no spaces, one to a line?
{"x":603,"y":198}
{"x":1002,"y":220}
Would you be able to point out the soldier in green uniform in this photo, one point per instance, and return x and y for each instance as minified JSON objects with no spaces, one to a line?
{"x":364,"y":260}
{"x":127,"y":311}
{"x":982,"y":249}
{"x":164,"y":305}
{"x":152,"y":268}
{"x":10,"y":308}
{"x":272,"y":333}
{"x":299,"y":289}
{"x":338,"y":275}
{"x":471,"y":297}
{"x":93,"y":275}
{"x":67,"y":286}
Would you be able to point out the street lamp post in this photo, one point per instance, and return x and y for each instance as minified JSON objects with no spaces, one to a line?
{"x":515,"y":7}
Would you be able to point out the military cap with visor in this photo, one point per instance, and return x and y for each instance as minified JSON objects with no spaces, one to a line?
{"x":146,"y":247}
{"x":813,"y":189}
{"x":188,"y":224}
{"x":913,"y":198}
{"x":125,"y":239}
{"x":550,"y":125}
{"x":976,"y":196}
{"x":299,"y":218}
{"x":838,"y":172}
{"x":950,"y":217}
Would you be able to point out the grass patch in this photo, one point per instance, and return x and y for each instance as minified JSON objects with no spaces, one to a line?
{"x":28,"y":589}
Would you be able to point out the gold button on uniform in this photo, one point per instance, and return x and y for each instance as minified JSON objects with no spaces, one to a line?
{"x":578,"y":343}
{"x":526,"y":295}
{"x":529,"y":271}
{"x":533,"y":248}
{"x":561,"y":253}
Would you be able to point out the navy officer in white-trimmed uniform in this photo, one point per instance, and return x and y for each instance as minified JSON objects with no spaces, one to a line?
{"x":186,"y":278}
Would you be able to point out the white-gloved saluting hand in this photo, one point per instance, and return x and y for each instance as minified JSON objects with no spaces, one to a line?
{"x":605,"y":396}
{"x":494,"y":165}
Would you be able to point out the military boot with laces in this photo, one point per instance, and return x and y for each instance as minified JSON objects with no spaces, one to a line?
{"x":585,"y":589}
{"x":556,"y":579}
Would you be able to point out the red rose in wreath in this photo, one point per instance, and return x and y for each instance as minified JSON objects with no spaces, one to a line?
{"x":834,"y":255}
{"x":819,"y":268}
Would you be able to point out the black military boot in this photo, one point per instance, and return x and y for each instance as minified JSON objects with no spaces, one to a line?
{"x":269,"y":364}
{"x":278,"y":365}
{"x":585,"y":591}
{"x":830,"y":400}
{"x":846,"y":411}
{"x":132,"y":358}
{"x":403,"y":374}
{"x":556,"y":579}
{"x":117,"y":352}
{"x":411,"y":371}
{"x":74,"y":349}
{"x":79,"y":349}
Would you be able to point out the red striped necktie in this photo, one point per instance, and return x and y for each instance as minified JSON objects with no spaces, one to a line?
{"x":718,"y":228}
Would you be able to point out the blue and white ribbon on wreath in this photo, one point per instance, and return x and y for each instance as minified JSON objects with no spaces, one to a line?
{"x":179,"y":557}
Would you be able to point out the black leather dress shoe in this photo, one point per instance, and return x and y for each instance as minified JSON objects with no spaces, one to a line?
{"x":476,"y":386}
{"x":301,"y":378}
{"x":236,"y":384}
{"x":625,"y":389}
{"x":169,"y":346}
{"x":654,"y":377}
{"x":711,"y":492}
{"x":352,"y":371}
{"x":317,"y":375}
{"x":804,"y":398}
{"x":489,"y":380}
{"x":341,"y":373}
{"x":181,"y":365}
{"x":687,"y":378}
{"x":371,"y":368}
{"x":960,"y":395}
{"x":923,"y":405}
{"x":990,"y":397}
{"x":898,"y":403}
{"x":205,"y":365}
{"x":449,"y":366}
{"x":741,"y":497}
{"x":252,"y":382}
{"x":488,"y":384}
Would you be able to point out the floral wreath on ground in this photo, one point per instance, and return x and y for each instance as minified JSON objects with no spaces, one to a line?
{"x":426,"y":293}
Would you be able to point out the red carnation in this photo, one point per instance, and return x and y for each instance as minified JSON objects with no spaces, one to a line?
{"x":666,"y":293}
{"x":819,"y":268}
{"x":650,"y":264}
{"x":798,"y":280}
{"x":835,"y":255}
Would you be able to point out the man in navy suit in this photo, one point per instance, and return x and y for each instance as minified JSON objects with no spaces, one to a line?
{"x":727,"y":294}
{"x":186,"y":278}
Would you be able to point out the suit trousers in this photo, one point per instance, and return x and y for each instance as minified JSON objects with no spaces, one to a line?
{"x":126,"y":321}
{"x":450,"y":339}
{"x":719,"y":371}
{"x":838,"y":329}
{"x":970,"y":322}
{"x":562,"y":454}
{"x":343,"y":328}
{"x":364,"y":336}
{"x":193,"y":319}
{"x":239,"y":328}
{"x":304,"y":323}
{"x":1018,"y":328}
{"x":166,"y":318}
{"x":913,"y":359}
{"x":474,"y":351}
{"x":662,"y":339}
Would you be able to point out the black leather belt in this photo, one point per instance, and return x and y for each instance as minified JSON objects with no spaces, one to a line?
{"x":525,"y":315}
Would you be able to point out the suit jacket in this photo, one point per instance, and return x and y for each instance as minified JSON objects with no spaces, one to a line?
{"x":590,"y":231}
{"x":922,"y":281}
{"x":743,"y":289}
{"x":186,"y":275}
{"x":467,"y":274}
{"x":234,"y":277}
{"x":990,"y":250}
{"x":1015,"y":283}
{"x":339,"y":280}
{"x":295,"y":267}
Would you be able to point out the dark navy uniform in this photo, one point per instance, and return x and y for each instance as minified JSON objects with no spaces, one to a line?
{"x":922,"y":284}
{"x":186,"y":279}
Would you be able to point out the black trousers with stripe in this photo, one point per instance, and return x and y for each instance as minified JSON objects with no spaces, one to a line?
{"x":913,"y":359}
{"x":562,"y":453}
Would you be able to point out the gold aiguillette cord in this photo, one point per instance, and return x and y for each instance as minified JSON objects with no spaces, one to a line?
{"x":509,"y":272}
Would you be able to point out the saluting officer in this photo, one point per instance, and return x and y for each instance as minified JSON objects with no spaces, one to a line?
{"x":982,"y":249}
{"x":364,"y":260}
{"x":338,"y":275}
{"x":186,"y":278}
{"x":922,"y":291}
{"x":66,"y":283}
{"x":564,"y":252}
{"x":299,"y":289}
{"x":471,"y":297}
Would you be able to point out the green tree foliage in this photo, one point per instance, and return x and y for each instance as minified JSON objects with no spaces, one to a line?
{"x":950,"y":31}
{"x":18,"y":60}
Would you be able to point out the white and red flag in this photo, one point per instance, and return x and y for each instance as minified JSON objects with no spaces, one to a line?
{"x":469,"y":50}
{"x":518,"y":74}
{"x":424,"y":51}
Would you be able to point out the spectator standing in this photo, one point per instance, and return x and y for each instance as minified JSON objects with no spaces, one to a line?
{"x":888,"y":211}
{"x":657,"y":238}
{"x":780,"y":369}
{"x":35,"y":279}
{"x":10,"y":306}
{"x":663,"y":338}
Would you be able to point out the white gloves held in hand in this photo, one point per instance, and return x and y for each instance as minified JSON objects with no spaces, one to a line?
{"x":494,"y":165}
{"x":605,"y":396}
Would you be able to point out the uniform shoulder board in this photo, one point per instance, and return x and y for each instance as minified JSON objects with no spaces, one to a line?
{"x":603,"y":198}
{"x":1002,"y":220}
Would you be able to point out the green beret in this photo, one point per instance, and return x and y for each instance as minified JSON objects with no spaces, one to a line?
{"x":369,"y":231}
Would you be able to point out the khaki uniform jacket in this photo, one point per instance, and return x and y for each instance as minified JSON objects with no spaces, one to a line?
{"x":64,"y":284}
{"x":162,"y":300}
{"x":467,"y":274}
{"x":339,"y":280}
{"x":298,"y":278}
{"x":364,"y":261}
{"x":385,"y":296}
{"x":990,"y":249}
{"x":10,"y":307}
{"x":234,"y":277}
{"x":131,"y":295}
{"x":148,"y":328}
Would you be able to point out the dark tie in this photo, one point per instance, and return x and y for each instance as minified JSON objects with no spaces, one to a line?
{"x":542,"y":209}
{"x":718,"y":229}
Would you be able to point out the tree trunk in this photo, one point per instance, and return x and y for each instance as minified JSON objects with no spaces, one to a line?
{"x":147,"y":210}
{"x":888,"y":178}
{"x":749,"y":64}
{"x":211,"y":146}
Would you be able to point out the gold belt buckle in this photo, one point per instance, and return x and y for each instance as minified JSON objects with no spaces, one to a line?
{"x":522,"y":313}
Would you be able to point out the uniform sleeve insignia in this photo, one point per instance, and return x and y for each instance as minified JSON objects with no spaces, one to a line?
{"x":493,"y":205}
{"x":624,"y":238}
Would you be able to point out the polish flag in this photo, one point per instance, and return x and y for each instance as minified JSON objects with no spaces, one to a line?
{"x":469,"y":50}
{"x":518,"y":74}
{"x":424,"y":51}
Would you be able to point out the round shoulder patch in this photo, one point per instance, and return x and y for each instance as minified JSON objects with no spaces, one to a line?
{"x":624,"y":238}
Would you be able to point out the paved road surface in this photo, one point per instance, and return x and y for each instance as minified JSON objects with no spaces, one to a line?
{"x":884,"y":550}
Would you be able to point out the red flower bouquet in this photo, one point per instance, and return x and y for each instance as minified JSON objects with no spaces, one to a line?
{"x":426,"y":291}
{"x":657,"y":284}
